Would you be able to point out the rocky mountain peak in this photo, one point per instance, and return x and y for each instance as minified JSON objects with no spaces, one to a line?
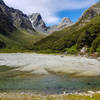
{"x":40,"y":26}
{"x":89,"y":14}
{"x":36,"y":16}
{"x":15,"y":17}
{"x":66,"y":20}
{"x":64,"y":23}
{"x":1,"y":2}
{"x":38,"y":23}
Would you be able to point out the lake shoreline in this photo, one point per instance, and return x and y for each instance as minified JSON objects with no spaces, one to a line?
{"x":62,"y":69}
{"x":89,"y":95}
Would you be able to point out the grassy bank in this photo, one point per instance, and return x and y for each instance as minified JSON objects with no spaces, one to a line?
{"x":31,"y":96}
{"x":15,"y":51}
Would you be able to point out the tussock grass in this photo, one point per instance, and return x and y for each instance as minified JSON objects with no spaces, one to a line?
{"x":32,"y":96}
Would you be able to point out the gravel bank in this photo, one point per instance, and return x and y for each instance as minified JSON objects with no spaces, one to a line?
{"x":42,"y":64}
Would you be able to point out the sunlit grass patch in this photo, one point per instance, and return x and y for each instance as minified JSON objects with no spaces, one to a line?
{"x":74,"y":97}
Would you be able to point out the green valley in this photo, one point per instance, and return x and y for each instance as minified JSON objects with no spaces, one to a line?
{"x":16,"y":32}
{"x":88,"y":35}
{"x":17,"y":41}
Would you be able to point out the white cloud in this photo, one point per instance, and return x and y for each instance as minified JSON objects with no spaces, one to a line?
{"x":48,"y":8}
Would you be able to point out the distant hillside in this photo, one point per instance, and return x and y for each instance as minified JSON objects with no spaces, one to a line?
{"x":89,"y":14}
{"x":16,"y":30}
{"x":81,"y":34}
{"x":40,"y":26}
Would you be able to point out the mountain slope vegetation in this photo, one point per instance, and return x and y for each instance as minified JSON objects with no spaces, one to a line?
{"x":88,"y":35}
{"x":85,"y":32}
{"x":16,"y":31}
{"x":18,"y":39}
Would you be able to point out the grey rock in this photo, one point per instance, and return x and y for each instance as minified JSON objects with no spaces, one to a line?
{"x":98,"y":58}
{"x":1,"y":2}
{"x":89,"y":14}
{"x":5,"y":19}
{"x":64,"y":23}
{"x":16,"y":17}
{"x":31,"y":23}
{"x":20,"y":20}
{"x":83,"y":51}
{"x":39,"y":25}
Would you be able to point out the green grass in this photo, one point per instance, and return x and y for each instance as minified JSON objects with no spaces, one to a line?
{"x":15,"y":37}
{"x":32,"y":96}
{"x":6,"y":50}
{"x":98,"y":49}
{"x":18,"y":41}
{"x":72,"y":50}
{"x":73,"y":35}
{"x":74,"y":97}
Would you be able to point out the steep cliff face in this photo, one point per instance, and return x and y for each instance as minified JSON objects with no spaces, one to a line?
{"x":15,"y":29}
{"x":40,"y":26}
{"x":14,"y":18}
{"x":20,"y":20}
{"x":2,"y":2}
{"x":89,"y":14}
{"x":38,"y":23}
{"x":6,"y":23}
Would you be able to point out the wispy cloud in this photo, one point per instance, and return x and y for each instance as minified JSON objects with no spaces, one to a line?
{"x":49,"y":8}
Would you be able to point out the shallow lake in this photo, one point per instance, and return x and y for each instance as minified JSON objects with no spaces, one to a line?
{"x":27,"y":72}
{"x":50,"y":84}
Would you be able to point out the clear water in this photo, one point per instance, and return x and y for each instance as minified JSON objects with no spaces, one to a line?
{"x":50,"y":84}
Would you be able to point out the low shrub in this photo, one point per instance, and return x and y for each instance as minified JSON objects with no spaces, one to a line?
{"x":2,"y":44}
{"x":95,"y":45}
{"x":72,"y":50}
{"x":98,"y":49}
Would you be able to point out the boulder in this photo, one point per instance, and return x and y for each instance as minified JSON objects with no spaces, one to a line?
{"x":83,"y":51}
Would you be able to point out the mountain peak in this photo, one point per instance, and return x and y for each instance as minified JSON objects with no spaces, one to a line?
{"x":89,"y":14}
{"x":2,"y":2}
{"x":37,"y":22}
{"x":35,"y":16}
{"x":65,"y":23}
{"x":66,"y":20}
{"x":15,"y":17}
{"x":40,"y":26}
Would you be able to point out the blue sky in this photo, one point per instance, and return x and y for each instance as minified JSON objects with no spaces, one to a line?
{"x":53,"y":11}
{"x":72,"y":14}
